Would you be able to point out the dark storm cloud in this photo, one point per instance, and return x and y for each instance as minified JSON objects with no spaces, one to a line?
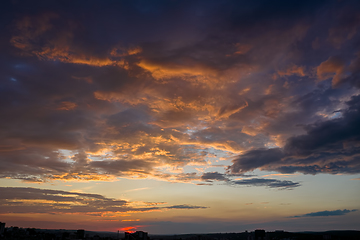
{"x":328,"y":135}
{"x":329,"y":146}
{"x":256,"y":158}
{"x":35,"y":200}
{"x":327,"y":213}
{"x":134,"y":86}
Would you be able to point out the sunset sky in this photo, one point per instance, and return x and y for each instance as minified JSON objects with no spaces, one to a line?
{"x":180,"y":116}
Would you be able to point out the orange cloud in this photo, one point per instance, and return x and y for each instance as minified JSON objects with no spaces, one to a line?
{"x":66,"y":106}
{"x":293,"y":70}
{"x":242,"y":48}
{"x":122,"y":52}
{"x":187,"y":68}
{"x":333,"y":67}
{"x":32,"y":31}
{"x":31,"y":28}
{"x":229,"y":110}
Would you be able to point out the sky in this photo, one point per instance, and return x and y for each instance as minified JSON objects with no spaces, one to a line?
{"x":180,"y":116}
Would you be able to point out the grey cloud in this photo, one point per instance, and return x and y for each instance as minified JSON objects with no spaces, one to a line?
{"x":323,"y":163}
{"x":117,"y":167}
{"x":86,"y":202}
{"x":326,"y":213}
{"x":47,"y":194}
{"x":31,"y":163}
{"x":254,"y":182}
{"x":226,"y":138}
{"x":187,"y":177}
{"x":328,"y":134}
{"x":272,"y":183}
{"x":185,"y":206}
{"x":128,"y":118}
{"x":256,"y":158}
{"x":210,"y":176}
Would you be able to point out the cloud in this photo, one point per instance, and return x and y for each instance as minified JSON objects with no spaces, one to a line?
{"x":59,"y":40}
{"x":35,"y":200}
{"x":293,"y":70}
{"x":330,"y":146}
{"x":189,"y":68}
{"x":253,"y":182}
{"x":345,"y":29}
{"x":327,"y":213}
{"x":210,"y":176}
{"x":271,"y":183}
{"x":255,"y":158}
{"x":185,"y":206}
{"x":81,"y":100}
{"x":334,"y":68}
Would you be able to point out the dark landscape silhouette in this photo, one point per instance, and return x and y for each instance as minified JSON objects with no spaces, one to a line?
{"x":18,"y":233}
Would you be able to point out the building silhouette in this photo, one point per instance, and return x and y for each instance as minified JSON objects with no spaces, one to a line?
{"x":138,"y":235}
{"x":80,"y":234}
{"x":2,"y":228}
{"x":259,"y":234}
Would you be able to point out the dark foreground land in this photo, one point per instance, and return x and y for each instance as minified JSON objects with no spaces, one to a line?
{"x":277,"y":235}
{"x":46,"y":234}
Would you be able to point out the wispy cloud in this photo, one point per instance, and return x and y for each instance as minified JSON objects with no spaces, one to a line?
{"x":35,"y":200}
{"x":272,"y":183}
{"x":249,"y":181}
{"x":326,"y":213}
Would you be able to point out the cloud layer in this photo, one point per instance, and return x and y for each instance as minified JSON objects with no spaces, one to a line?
{"x":35,"y":200}
{"x":327,"y":213}
{"x":330,"y":146}
{"x":147,"y":90}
